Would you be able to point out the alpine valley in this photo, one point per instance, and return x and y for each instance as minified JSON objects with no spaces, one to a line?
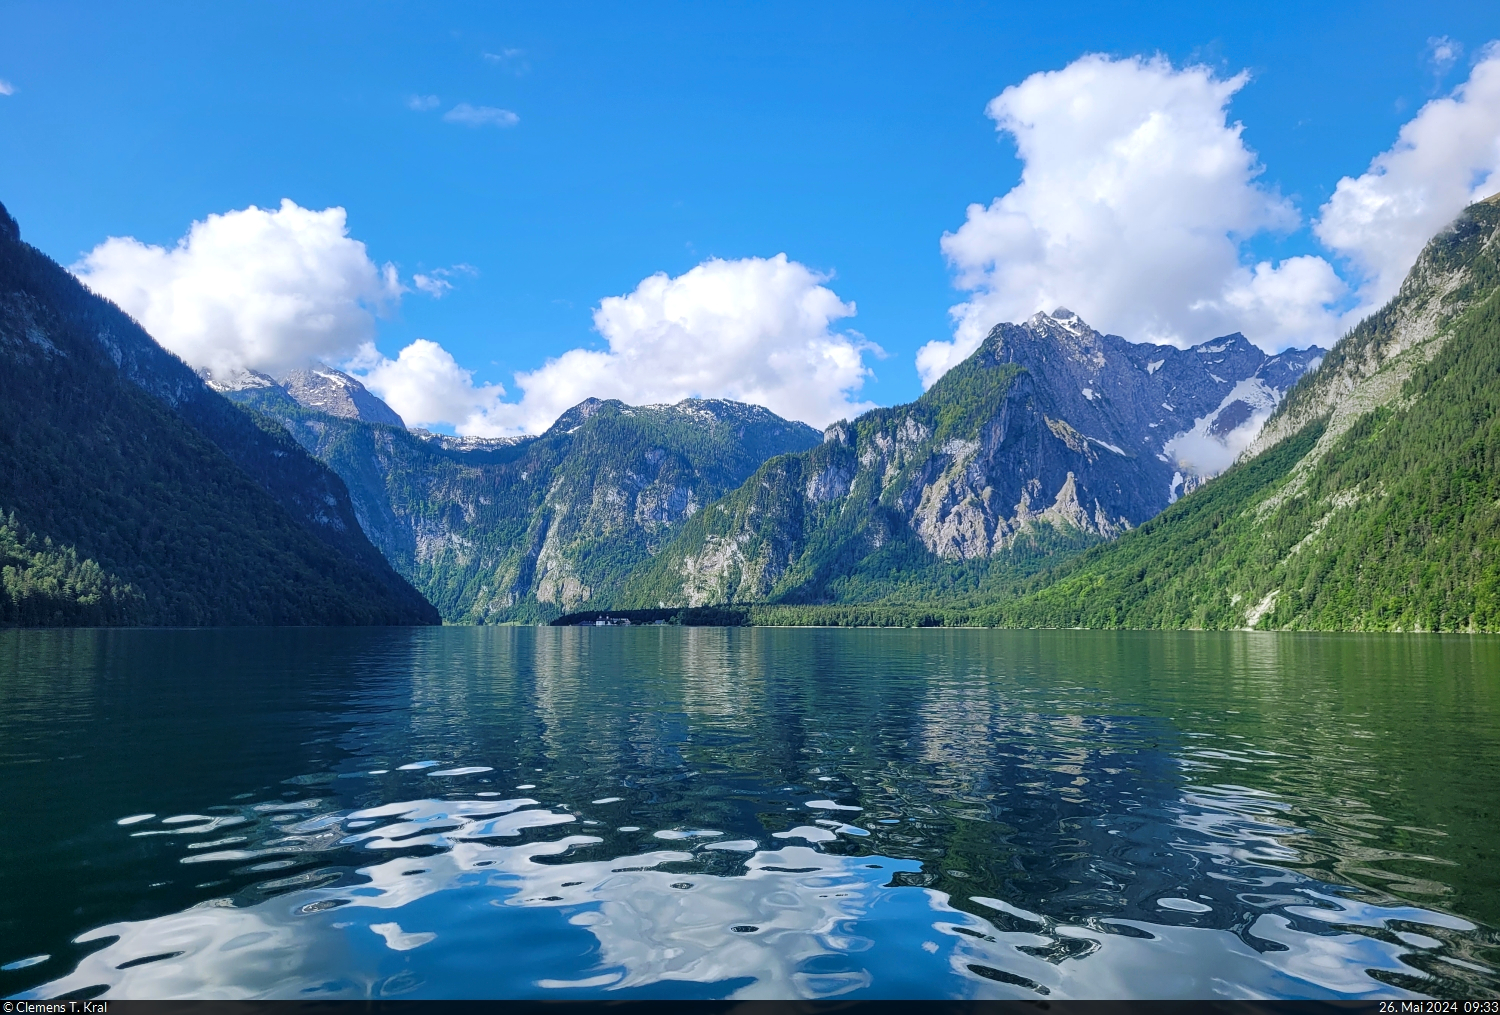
{"x":525,"y":529}
{"x":1058,"y":477}
{"x":1049,"y":438}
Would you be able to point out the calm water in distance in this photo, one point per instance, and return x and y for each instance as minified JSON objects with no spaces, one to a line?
{"x":709,"y":813}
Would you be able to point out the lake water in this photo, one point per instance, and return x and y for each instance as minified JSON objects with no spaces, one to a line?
{"x":708,"y":813}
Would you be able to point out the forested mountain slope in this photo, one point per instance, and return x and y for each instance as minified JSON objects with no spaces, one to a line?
{"x":1373,"y":502}
{"x":1049,"y":437}
{"x":525,"y":529}
{"x":132,"y":494}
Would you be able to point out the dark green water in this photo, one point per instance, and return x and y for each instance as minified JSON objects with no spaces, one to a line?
{"x":673,"y":812}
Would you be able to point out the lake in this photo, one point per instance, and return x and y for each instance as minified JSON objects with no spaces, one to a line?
{"x":713,"y":813}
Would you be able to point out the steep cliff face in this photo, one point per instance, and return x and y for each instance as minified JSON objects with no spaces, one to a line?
{"x":525,"y":529}
{"x":1371,"y":500}
{"x":1189,"y":410}
{"x":1049,"y":425}
{"x":1370,"y":366}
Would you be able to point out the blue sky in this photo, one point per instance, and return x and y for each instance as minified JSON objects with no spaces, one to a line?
{"x":851,"y":137}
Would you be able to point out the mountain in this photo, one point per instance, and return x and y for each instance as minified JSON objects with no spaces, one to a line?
{"x":528,"y":528}
{"x":1370,"y":501}
{"x":1049,"y":437}
{"x":322,"y":388}
{"x":133,"y":494}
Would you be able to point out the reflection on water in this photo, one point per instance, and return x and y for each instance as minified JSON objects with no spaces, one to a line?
{"x":708,"y":813}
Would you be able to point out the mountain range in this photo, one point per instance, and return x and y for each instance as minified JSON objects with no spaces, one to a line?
{"x":1057,"y":477}
{"x":525,"y":529}
{"x":1051,"y":436}
{"x":1048,"y":437}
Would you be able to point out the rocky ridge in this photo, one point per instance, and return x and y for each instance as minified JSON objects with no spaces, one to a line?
{"x":526,"y":528}
{"x":1048,"y":424}
{"x":338,"y":394}
{"x":320,"y":387}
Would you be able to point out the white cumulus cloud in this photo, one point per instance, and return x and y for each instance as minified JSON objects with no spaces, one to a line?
{"x":1135,"y":200}
{"x":250,"y":289}
{"x":755,"y":330}
{"x":6,"y":88}
{"x":1445,"y":158}
{"x":426,"y":386}
{"x":273,"y":290}
{"x":481,"y":116}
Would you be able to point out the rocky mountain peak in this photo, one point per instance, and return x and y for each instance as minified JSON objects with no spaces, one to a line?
{"x":336,"y":393}
{"x":1061,"y":320}
{"x":1064,"y":318}
{"x":723,"y":409}
{"x":1055,"y":338}
{"x":238,"y":380}
{"x":1190,"y":411}
{"x":582,"y":413}
{"x":1221,"y":345}
{"x":321,"y":387}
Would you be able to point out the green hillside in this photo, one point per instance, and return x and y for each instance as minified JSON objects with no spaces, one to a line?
{"x":131,"y":494}
{"x":44,"y":585}
{"x":1382,"y":512}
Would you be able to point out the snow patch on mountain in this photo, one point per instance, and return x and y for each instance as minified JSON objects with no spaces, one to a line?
{"x":1216,"y":439}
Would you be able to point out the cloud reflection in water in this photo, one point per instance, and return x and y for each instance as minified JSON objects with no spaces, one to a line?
{"x":787,"y":922}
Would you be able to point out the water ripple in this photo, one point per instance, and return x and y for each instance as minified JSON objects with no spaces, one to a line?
{"x":760,"y":815}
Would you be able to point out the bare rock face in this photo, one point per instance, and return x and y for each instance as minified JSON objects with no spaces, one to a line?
{"x":321,"y":388}
{"x":336,"y":393}
{"x":1048,"y":423}
{"x":1096,"y":434}
{"x":1192,"y":410}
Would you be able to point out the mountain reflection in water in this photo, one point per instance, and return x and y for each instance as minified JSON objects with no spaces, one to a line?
{"x":727,"y":813}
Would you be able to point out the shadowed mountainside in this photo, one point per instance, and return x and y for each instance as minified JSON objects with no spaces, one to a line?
{"x":133,"y":494}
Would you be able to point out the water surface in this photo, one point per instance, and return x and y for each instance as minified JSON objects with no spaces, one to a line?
{"x":705,"y":813}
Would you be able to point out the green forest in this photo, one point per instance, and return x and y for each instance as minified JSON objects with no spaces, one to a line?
{"x":120,"y":505}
